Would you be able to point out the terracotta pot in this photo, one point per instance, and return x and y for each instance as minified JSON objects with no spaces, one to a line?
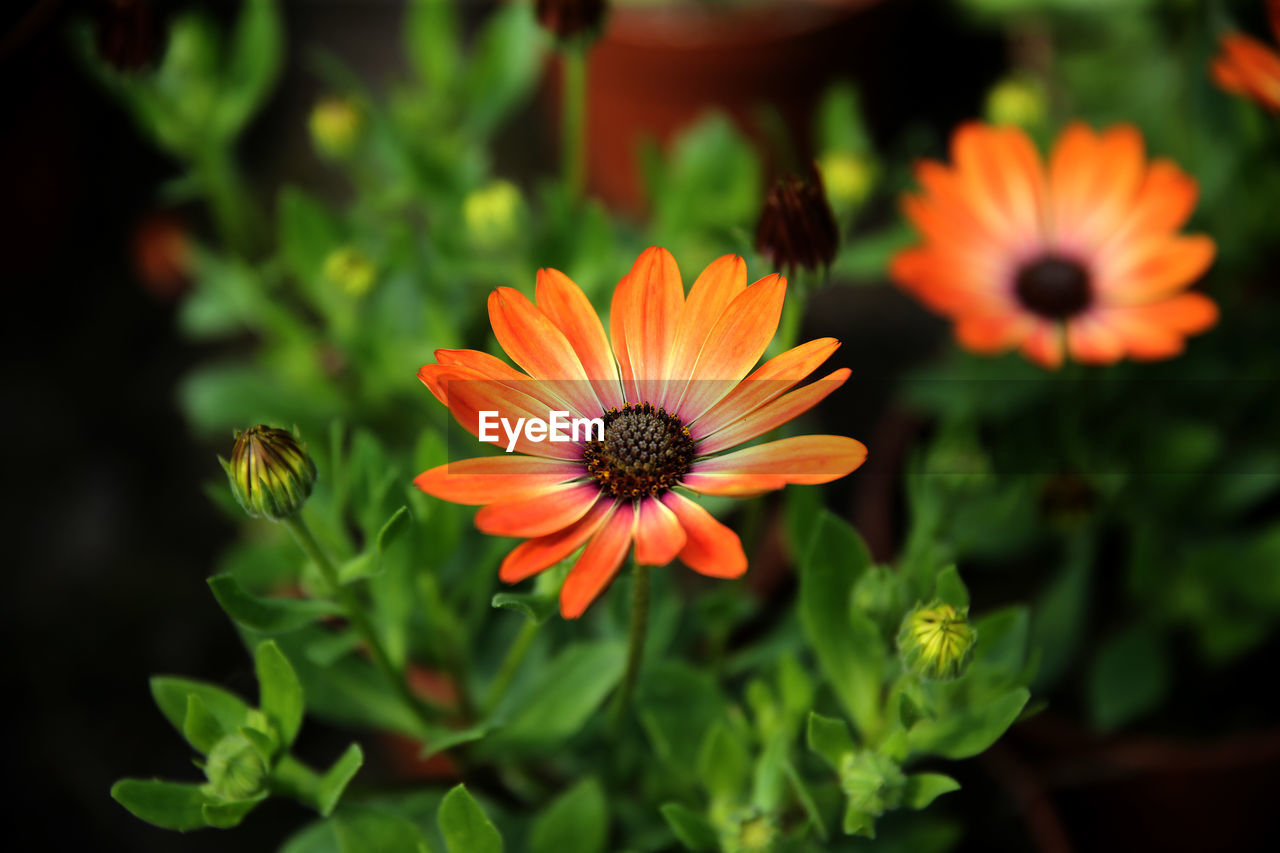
{"x":659,"y":68}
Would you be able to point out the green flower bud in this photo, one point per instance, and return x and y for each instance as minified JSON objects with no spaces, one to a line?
{"x":335,"y":127}
{"x":270,"y":471}
{"x":350,"y":270}
{"x":236,"y":769}
{"x":748,"y":831}
{"x":872,"y":782}
{"x":1017,"y":101}
{"x":849,"y":179}
{"x":881,"y":593}
{"x":492,"y":214}
{"x":935,"y":641}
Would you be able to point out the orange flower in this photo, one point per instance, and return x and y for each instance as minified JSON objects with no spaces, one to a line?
{"x":1079,"y":258}
{"x":672,"y":392}
{"x":1248,"y":67}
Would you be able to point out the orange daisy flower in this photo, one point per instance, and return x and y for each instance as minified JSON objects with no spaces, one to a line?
{"x":672,"y":392}
{"x":1081,"y":258}
{"x":1248,"y":67}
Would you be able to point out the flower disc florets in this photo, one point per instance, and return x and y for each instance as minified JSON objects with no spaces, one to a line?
{"x":645,"y":452}
{"x":1054,"y":287}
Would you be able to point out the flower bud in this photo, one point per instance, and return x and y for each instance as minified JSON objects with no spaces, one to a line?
{"x":270,"y":471}
{"x":849,"y":179}
{"x":935,"y":641}
{"x":568,"y":19}
{"x":748,"y":831}
{"x":492,"y":214}
{"x":335,"y":127}
{"x":350,"y":270}
{"x":236,"y":769}
{"x":797,"y":228}
{"x":1017,"y":101}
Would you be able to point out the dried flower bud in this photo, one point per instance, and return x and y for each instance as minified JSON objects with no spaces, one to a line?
{"x":235,"y":767}
{"x":271,"y":472}
{"x":935,"y":641}
{"x":567,"y":19}
{"x":797,"y":228}
{"x":335,"y":127}
{"x":127,"y":34}
{"x":350,"y":270}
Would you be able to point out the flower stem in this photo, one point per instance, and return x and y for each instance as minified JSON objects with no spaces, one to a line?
{"x":355,"y":613}
{"x":573,"y":131}
{"x":296,"y":780}
{"x":230,"y":204}
{"x":635,"y":640}
{"x":510,"y":665}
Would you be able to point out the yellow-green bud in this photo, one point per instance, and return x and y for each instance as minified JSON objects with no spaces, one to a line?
{"x":492,"y":214}
{"x":236,"y":769}
{"x":335,"y":127}
{"x":270,"y":471}
{"x":849,"y":179}
{"x":1017,"y":101}
{"x":935,"y":641}
{"x":350,"y":270}
{"x":748,"y":831}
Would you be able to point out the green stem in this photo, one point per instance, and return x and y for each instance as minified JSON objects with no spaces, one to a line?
{"x":635,"y":640}
{"x":229,"y":201}
{"x":574,"y":129}
{"x":294,"y":779}
{"x":355,"y":613}
{"x":510,"y":664}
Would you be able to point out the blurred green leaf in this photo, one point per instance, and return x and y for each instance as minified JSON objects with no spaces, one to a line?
{"x":965,"y":732}
{"x":226,"y":814}
{"x":369,"y":563}
{"x":464,"y":825}
{"x":169,"y":805}
{"x":839,"y":121}
{"x":692,"y":829}
{"x":200,"y":727}
{"x":171,"y":697}
{"x":724,"y":764}
{"x":504,"y":65}
{"x":268,"y":615}
{"x":369,"y":829}
{"x":432,"y":37}
{"x":337,"y":777}
{"x":829,"y":738}
{"x":280,"y":692}
{"x":538,"y":608}
{"x":923,"y":788}
{"x":253,"y":64}
{"x":575,"y":822}
{"x":1129,"y":677}
{"x":950,"y":589}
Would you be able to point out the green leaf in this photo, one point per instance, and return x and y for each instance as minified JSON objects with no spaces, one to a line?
{"x":575,"y":822}
{"x":923,"y":788}
{"x":504,"y":65}
{"x":571,"y":689}
{"x":279,"y":691}
{"x":1061,"y":613}
{"x":370,"y":562}
{"x":254,"y":63}
{"x":848,"y":645}
{"x":858,"y":822}
{"x":1129,"y":677}
{"x":807,"y":802}
{"x":538,"y":608}
{"x":308,"y":232}
{"x":432,"y":39}
{"x":677,"y":705}
{"x":829,"y":738}
{"x":169,"y":805}
{"x":724,"y":764}
{"x":950,"y":589}
{"x":692,"y":829}
{"x":336,"y":779}
{"x":268,"y":615}
{"x":963,"y":733}
{"x":171,"y":697}
{"x":369,"y":829}
{"x":464,"y":825}
{"x":225,"y":814}
{"x":200,"y":727}
{"x":839,"y":122}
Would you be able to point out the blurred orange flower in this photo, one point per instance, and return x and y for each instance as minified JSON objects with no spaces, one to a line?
{"x":672,"y":391}
{"x":1248,"y":67}
{"x":1078,"y":259}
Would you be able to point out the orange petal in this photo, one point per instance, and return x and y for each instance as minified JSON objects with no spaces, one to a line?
{"x":987,"y":334}
{"x":659,"y":536}
{"x":651,"y":307}
{"x":483,"y":366}
{"x":710,"y":548}
{"x":532,"y":341}
{"x":469,"y":395}
{"x":1255,"y":67}
{"x":774,"y":414}
{"x":599,"y":562}
{"x":802,"y":459}
{"x":1044,"y":345}
{"x":734,"y":345}
{"x":531,"y":557}
{"x":1093,"y":181}
{"x":732,"y":485}
{"x":773,"y":378}
{"x":540,"y":513}
{"x":1164,"y":203}
{"x":710,"y":296}
{"x":618,"y":334}
{"x":568,"y":308}
{"x":1156,"y":331}
{"x":490,"y":478}
{"x":1090,"y":341}
{"x":1003,"y":180}
{"x":1154,"y":268}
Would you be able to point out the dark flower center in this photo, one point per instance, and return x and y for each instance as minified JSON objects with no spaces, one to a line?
{"x":645,"y":452}
{"x":1054,"y":287}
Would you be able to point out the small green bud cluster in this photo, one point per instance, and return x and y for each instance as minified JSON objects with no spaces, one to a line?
{"x":236,"y":768}
{"x":935,"y":641}
{"x":270,"y":471}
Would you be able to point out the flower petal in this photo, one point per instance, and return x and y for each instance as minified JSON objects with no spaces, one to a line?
{"x":659,"y":536}
{"x":773,"y":378}
{"x":710,"y":548}
{"x":490,"y":478}
{"x":802,"y":459}
{"x":710,"y":296}
{"x":774,"y":414}
{"x":529,"y":558}
{"x":1155,"y":268}
{"x":650,"y":306}
{"x":732,"y":485}
{"x":470,"y":394}
{"x":599,"y":562}
{"x":540,"y":513}
{"x":532,"y":341}
{"x":1158,"y":330}
{"x":567,"y":306}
